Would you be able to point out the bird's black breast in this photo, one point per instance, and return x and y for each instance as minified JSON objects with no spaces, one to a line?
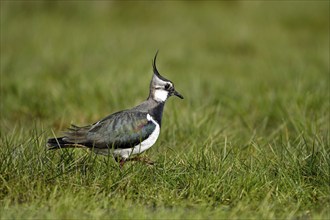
{"x":157,"y":113}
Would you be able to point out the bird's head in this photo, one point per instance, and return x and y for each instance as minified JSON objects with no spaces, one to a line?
{"x":160,"y":87}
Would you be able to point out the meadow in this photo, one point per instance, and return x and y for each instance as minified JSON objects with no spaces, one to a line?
{"x":250,"y":139}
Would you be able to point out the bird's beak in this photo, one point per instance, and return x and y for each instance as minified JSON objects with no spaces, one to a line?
{"x":177,"y":94}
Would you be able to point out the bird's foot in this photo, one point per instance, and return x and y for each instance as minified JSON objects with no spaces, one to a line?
{"x":145,"y":160}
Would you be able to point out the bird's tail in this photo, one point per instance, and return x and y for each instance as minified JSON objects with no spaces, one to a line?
{"x":57,"y":143}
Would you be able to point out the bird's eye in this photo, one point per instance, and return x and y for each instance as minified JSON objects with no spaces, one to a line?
{"x":167,"y":86}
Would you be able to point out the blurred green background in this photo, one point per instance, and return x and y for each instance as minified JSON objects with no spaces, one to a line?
{"x":88,"y":59}
{"x":253,"y":73}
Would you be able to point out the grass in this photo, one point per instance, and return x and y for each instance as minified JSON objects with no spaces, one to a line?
{"x":250,"y":139}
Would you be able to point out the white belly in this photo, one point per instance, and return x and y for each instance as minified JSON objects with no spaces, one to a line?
{"x":143,"y":146}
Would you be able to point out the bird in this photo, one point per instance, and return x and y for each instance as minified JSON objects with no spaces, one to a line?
{"x":124,"y":134}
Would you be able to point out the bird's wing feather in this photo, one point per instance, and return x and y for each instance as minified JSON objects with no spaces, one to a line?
{"x":123,"y":129}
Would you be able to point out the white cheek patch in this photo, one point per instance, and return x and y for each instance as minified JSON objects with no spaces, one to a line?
{"x":160,"y":95}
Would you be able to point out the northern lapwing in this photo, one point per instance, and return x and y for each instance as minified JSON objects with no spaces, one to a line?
{"x":124,"y":133}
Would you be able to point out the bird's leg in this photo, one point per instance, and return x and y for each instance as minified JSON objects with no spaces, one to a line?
{"x":121,"y":161}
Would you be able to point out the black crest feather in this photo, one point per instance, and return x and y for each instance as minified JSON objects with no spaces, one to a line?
{"x":154,"y":64}
{"x":155,"y":68}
